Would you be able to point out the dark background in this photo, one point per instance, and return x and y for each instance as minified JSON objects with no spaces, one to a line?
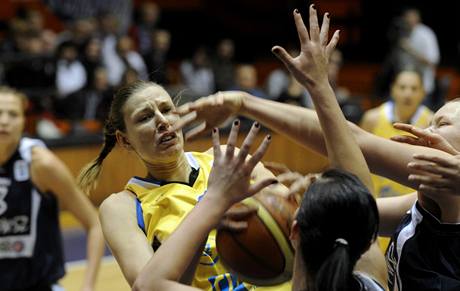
{"x":257,"y":25}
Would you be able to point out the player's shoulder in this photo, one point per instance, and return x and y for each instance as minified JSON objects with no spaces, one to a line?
{"x":118,"y":203}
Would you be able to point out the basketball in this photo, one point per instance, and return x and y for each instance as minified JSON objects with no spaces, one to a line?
{"x":262,"y":254}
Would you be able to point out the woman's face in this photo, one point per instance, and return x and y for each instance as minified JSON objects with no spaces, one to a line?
{"x":149,"y":115}
{"x":446,"y":122}
{"x":407,"y":91}
{"x":11,"y":118}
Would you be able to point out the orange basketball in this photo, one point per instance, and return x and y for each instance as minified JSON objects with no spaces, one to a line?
{"x":262,"y":254}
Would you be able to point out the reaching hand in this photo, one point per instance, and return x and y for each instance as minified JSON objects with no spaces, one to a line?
{"x":423,"y":137}
{"x":436,"y":175}
{"x":311,"y":65}
{"x":229,"y":180}
{"x":297,"y":184}
{"x":211,"y":111}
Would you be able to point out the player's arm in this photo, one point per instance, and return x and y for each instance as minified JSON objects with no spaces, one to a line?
{"x":51,"y":175}
{"x":392,"y":209}
{"x":126,"y":240}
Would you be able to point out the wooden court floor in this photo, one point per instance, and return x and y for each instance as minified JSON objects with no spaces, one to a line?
{"x":110,"y":277}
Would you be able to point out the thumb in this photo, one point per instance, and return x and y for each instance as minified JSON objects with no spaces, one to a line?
{"x":254,"y":188}
{"x":283,"y":55}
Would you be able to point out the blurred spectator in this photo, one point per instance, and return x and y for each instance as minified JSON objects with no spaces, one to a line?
{"x":91,"y":58}
{"x":70,"y":73}
{"x":156,"y":58}
{"x":79,"y":32}
{"x":149,"y":14}
{"x":80,"y":9}
{"x":295,"y":94}
{"x":197,"y":73}
{"x":90,"y":103}
{"x":246,"y":80}
{"x":422,"y":46}
{"x":31,"y":66}
{"x":223,"y":65}
{"x":126,"y":58}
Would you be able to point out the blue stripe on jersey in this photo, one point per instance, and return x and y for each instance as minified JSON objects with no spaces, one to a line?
{"x":212,"y":280}
{"x":140,"y":215}
{"x":223,"y":284}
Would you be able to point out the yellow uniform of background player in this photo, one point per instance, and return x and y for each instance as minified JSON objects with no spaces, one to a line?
{"x":161,"y":206}
{"x":384,"y":128}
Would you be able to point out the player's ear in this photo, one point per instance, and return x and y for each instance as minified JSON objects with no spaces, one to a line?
{"x":294,"y":235}
{"x":123,"y":140}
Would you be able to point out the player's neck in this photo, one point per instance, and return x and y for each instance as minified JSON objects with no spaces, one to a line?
{"x":176,"y":170}
{"x":299,"y":280}
{"x":6,"y":151}
{"x":403,"y":115}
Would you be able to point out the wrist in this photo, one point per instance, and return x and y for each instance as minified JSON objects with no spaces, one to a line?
{"x":217,"y":204}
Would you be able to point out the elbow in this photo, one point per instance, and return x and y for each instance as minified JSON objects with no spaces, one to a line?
{"x":141,"y":285}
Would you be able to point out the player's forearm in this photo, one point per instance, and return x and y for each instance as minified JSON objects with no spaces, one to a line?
{"x":95,"y":250}
{"x":184,"y":243}
{"x":299,"y":124}
{"x":342,"y":148}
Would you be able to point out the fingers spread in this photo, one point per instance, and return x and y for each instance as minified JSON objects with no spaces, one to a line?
{"x":248,"y":141}
{"x":301,"y":29}
{"x":333,"y":43}
{"x":185,"y":120}
{"x":254,"y":188}
{"x":283,"y":56}
{"x":231,"y":142}
{"x":259,"y":153}
{"x":314,"y":26}
{"x":446,"y":162}
{"x":324,"y":33}
{"x":216,"y":144}
{"x":196,"y":131}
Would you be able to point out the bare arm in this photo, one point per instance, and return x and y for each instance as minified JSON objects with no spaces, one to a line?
{"x":51,"y":175}
{"x":126,"y":240}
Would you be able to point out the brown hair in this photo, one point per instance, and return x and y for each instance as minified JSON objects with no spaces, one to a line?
{"x":22,"y":97}
{"x":90,"y":173}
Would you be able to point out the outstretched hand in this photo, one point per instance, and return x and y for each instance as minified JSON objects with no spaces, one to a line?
{"x":423,"y":137}
{"x":230,"y":176}
{"x":210,"y":112}
{"x":311,"y":65}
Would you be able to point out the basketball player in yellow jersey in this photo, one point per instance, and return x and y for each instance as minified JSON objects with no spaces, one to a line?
{"x":138,"y":219}
{"x":407,"y":94}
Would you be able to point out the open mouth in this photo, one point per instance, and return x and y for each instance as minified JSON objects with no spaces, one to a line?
{"x":167,"y":137}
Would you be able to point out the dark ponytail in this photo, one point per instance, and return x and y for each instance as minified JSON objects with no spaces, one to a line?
{"x":335,"y":272}
{"x":338,"y":220}
{"x":89,"y":174}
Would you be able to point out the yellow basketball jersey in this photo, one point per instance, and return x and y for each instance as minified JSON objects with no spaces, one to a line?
{"x":164,"y":205}
{"x":384,"y":128}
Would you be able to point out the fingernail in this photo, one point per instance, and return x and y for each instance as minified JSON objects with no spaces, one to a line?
{"x":236,"y":122}
{"x":411,"y":164}
{"x":269,"y":137}
{"x":256,"y":124}
{"x":411,"y":177}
